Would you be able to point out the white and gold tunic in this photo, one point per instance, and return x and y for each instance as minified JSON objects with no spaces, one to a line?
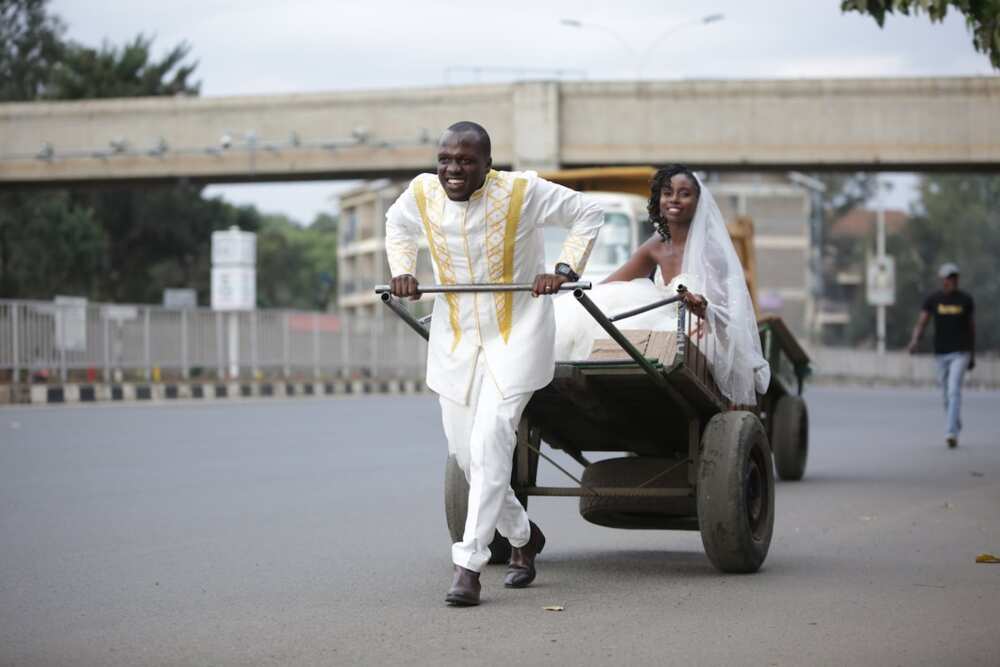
{"x":495,"y":237}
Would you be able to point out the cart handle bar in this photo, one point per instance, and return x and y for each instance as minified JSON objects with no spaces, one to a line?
{"x":650,"y":306}
{"x":484,"y":287}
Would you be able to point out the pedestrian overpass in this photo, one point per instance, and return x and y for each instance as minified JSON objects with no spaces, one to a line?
{"x":909,"y":124}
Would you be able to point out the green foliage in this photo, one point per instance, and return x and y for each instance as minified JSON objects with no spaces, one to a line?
{"x":48,"y":245}
{"x":86,"y":73}
{"x":959,"y":222}
{"x":158,"y":237}
{"x":128,"y":244}
{"x":982,"y":17}
{"x":296,"y":264}
{"x":844,"y":191}
{"x":30,"y":46}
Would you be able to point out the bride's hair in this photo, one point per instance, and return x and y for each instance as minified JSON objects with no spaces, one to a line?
{"x":663,"y":175}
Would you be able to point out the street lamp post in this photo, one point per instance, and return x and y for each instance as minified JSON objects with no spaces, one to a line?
{"x":639,"y":62}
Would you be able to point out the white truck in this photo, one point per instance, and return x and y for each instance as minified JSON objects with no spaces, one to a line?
{"x":626,"y":227}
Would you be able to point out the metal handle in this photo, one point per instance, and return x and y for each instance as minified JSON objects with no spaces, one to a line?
{"x":650,"y":306}
{"x":404,"y":314}
{"x":485,"y":287}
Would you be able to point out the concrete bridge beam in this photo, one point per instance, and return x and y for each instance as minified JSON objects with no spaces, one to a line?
{"x":906,"y":124}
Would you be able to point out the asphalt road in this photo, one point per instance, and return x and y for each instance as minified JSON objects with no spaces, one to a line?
{"x":311,"y":532}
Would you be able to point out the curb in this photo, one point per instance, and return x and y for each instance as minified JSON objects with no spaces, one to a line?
{"x":169,"y":391}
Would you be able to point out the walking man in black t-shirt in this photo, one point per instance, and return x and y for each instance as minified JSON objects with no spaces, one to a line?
{"x":954,"y":342}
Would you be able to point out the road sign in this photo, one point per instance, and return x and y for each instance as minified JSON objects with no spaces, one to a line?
{"x":881,"y":283}
{"x":234,"y":272}
{"x":234,"y":288}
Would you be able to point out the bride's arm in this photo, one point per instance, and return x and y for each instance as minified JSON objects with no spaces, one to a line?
{"x":639,"y":265}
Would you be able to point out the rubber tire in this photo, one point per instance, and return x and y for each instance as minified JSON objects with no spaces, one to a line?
{"x":790,"y":437}
{"x":456,"y":507}
{"x":735,"y":458}
{"x":635,"y":512}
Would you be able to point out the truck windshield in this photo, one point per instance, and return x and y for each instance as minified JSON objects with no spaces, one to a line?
{"x":613,"y":246}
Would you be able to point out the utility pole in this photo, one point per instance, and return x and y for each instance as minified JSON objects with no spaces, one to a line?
{"x":880,"y":259}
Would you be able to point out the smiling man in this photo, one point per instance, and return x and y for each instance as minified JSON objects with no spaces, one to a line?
{"x":488,"y":351}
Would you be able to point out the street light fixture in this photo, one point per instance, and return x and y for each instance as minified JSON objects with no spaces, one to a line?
{"x":639,"y":62}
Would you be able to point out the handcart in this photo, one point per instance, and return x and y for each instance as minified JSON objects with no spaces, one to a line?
{"x":690,"y":461}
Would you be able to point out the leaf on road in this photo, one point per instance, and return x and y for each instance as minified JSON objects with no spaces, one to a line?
{"x":554,"y":607}
{"x":987,"y":558}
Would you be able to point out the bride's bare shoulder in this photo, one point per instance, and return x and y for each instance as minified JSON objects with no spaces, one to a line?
{"x":653,"y":244}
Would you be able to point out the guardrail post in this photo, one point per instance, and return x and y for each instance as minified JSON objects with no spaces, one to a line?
{"x":106,"y":333}
{"x":147,"y":352}
{"x":254,"y":361}
{"x":400,"y":352}
{"x":185,"y":364}
{"x":373,"y":350}
{"x":234,"y":344}
{"x":345,"y":344}
{"x":285,"y":346}
{"x":315,"y":318}
{"x":61,"y":338}
{"x":219,"y":348}
{"x":14,"y":307}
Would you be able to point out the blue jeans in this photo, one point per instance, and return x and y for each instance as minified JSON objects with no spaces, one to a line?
{"x":951,"y":370}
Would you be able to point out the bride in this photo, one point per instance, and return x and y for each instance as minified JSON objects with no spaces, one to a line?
{"x":691,"y":248}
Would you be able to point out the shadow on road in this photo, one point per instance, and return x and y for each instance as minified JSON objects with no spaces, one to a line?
{"x":635,"y":563}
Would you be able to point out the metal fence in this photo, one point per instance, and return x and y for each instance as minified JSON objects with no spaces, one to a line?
{"x":894,"y":368}
{"x":43,"y":340}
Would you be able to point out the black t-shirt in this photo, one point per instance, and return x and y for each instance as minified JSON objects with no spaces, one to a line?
{"x":952,"y":321}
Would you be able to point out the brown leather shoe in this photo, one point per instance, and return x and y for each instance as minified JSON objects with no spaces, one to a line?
{"x":521,"y":569}
{"x":464,"y":591}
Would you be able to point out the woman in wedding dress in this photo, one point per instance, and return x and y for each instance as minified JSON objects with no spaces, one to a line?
{"x":691,"y":248}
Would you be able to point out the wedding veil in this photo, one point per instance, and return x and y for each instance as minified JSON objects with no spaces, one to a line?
{"x":738,"y":364}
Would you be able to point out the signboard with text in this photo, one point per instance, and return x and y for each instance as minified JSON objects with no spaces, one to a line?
{"x":881,"y":283}
{"x":234,"y":270}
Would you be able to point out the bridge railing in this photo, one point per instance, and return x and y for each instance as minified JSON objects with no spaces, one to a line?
{"x":47,"y":341}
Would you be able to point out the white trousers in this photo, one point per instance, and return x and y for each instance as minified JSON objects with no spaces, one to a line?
{"x":482,"y":436}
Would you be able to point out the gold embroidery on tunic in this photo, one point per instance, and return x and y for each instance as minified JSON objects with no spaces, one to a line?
{"x":402,"y":256}
{"x":431,"y":204}
{"x":576,"y":251}
{"x":503,"y":214}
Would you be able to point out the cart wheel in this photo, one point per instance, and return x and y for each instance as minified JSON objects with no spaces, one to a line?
{"x":637,"y":512}
{"x":736,"y":492}
{"x":790,"y":437}
{"x":456,"y":506}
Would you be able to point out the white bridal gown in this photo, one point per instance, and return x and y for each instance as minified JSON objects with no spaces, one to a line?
{"x":576,"y":330}
{"x":711,"y":268}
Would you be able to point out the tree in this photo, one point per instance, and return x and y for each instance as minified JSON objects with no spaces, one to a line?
{"x":30,"y":46}
{"x":159,"y":237}
{"x":129,"y":243}
{"x":843,"y":192}
{"x":59,"y":246}
{"x":982,"y":17}
{"x":958,"y":220}
{"x":87,"y":73}
{"x":295,"y":265}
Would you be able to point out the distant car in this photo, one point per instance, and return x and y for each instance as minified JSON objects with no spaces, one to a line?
{"x":626,"y":226}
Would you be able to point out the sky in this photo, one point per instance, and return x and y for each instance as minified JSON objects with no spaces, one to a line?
{"x":261,"y":47}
